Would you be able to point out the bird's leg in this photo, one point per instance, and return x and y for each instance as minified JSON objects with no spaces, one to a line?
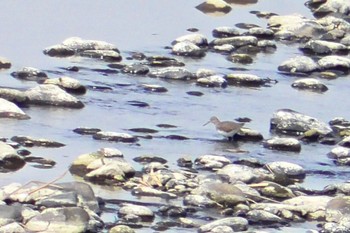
{"x":230,"y":139}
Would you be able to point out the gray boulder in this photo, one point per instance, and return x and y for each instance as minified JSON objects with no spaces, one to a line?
{"x":175,"y":73}
{"x":194,"y":38}
{"x":323,"y":47}
{"x":237,"y":41}
{"x":10,"y":161}
{"x":48,"y":94}
{"x":224,"y":31}
{"x":311,"y":84}
{"x":69,"y":84}
{"x":30,"y":74}
{"x":284,"y":144}
{"x":287,"y":121}
{"x":188,"y":49}
{"x":236,"y":223}
{"x":334,"y":63}
{"x":145,"y":213}
{"x":249,"y":80}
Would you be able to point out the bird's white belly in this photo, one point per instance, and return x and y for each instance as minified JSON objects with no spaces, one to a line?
{"x":227,"y":134}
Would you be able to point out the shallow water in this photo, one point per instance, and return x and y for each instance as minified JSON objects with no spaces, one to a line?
{"x":30,"y":26}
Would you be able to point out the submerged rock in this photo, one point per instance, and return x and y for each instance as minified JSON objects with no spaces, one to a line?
{"x":49,"y":94}
{"x":11,"y":110}
{"x":30,"y":74}
{"x":287,"y":121}
{"x":29,"y":141}
{"x":309,"y":84}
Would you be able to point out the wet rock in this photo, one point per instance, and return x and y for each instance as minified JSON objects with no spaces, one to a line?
{"x":274,"y":190}
{"x":172,"y":211}
{"x":345,"y":40}
{"x":30,"y":74}
{"x":212,"y":81}
{"x":290,"y":170}
{"x":345,"y":142}
{"x":176,"y":137}
{"x":4,"y":63}
{"x":299,"y":64}
{"x":10,"y":214}
{"x":263,"y":217}
{"x":184,"y":162}
{"x":162,"y":61}
{"x":105,"y":55}
{"x":11,"y":110}
{"x":13,"y":95}
{"x":287,"y":121}
{"x":188,"y":49}
{"x":202,"y":73}
{"x":68,"y":84}
{"x":237,"y":41}
{"x":222,"y":32}
{"x":248,"y":135}
{"x":211,"y":161}
{"x":78,"y":45}
{"x":333,"y":6}
{"x":323,"y":47}
{"x":69,"y":219}
{"x":335,"y":63}
{"x":225,"y":48}
{"x":245,"y":25}
{"x":213,"y":6}
{"x":12,"y":227}
{"x":102,"y":167}
{"x":138,"y":103}
{"x":225,"y":194}
{"x":338,"y":208}
{"x":138,"y":69}
{"x":114,"y":136}
{"x":295,"y":26}
{"x":194,"y":38}
{"x":240,"y":58}
{"x":284,"y":144}
{"x":243,"y":173}
{"x":260,"y":33}
{"x":308,"y":204}
{"x":143,"y":212}
{"x":29,"y":141}
{"x":194,"y":93}
{"x":249,"y":80}
{"x":267,"y":46}
{"x":341,"y":226}
{"x":154,"y":88}
{"x":236,"y":223}
{"x":222,"y":229}
{"x":121,"y":229}
{"x":198,"y":200}
{"x":174,"y":73}
{"x":309,"y":84}
{"x":341,"y":155}
{"x":9,"y":160}
{"x":86,"y":130}
{"x":48,"y":94}
{"x":150,"y":159}
{"x":148,"y":191}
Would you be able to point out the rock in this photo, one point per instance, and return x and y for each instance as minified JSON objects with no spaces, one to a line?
{"x":185,"y":162}
{"x":202,"y":73}
{"x":138,"y":69}
{"x":69,"y":219}
{"x":30,"y":74}
{"x":263,"y":217}
{"x":68,"y":84}
{"x":345,"y":40}
{"x":48,"y":94}
{"x":4,"y":63}
{"x":267,"y":46}
{"x":174,"y":73}
{"x":338,"y":208}
{"x":291,"y":170}
{"x":237,"y":41}
{"x":143,"y":212}
{"x":14,"y":96}
{"x":299,"y":64}
{"x":29,"y":141}
{"x":9,"y":159}
{"x":345,"y":142}
{"x":248,"y":135}
{"x":11,"y":110}
{"x":225,"y":48}
{"x":335,"y":63}
{"x":12,"y":227}
{"x":225,"y":194}
{"x":274,"y":190}
{"x":340,"y":188}
{"x":148,"y":191}
{"x":284,"y":144}
{"x":341,"y":226}
{"x":222,"y":32}
{"x":162,"y":61}
{"x":287,"y":121}
{"x":309,"y":204}
{"x":309,"y":84}
{"x":240,"y":58}
{"x":212,"y":6}
{"x":335,"y":6}
{"x":211,"y":161}
{"x":188,"y":49}
{"x":341,"y":155}
{"x":295,"y":26}
{"x":260,"y":33}
{"x":121,"y":229}
{"x":236,"y":223}
{"x":212,"y":81}
{"x":198,"y":200}
{"x":323,"y":47}
{"x":244,"y":173}
{"x":59,"y":51}
{"x":86,"y":130}
{"x":194,"y":38}
{"x":222,"y":229}
{"x":249,"y":80}
{"x":150,"y":159}
{"x":114,"y":136}
{"x":105,"y":55}
{"x":154,"y":88}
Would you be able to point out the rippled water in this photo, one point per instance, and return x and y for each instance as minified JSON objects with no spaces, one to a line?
{"x":27,"y":27}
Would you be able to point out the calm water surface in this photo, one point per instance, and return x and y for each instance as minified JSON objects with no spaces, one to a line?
{"x":27,"y":27}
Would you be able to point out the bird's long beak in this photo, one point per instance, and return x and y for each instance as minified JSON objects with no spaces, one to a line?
{"x":206,"y":123}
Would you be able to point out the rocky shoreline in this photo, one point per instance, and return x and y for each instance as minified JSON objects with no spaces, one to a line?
{"x":213,"y":193}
